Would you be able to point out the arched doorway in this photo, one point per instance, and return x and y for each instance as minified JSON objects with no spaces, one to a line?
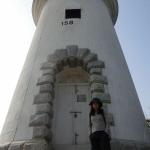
{"x":70,"y":121}
{"x":70,"y":78}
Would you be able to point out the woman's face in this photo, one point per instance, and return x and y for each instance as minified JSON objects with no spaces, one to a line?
{"x":95,"y":105}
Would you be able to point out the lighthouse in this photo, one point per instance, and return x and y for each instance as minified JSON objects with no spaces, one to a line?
{"x":74,"y":56}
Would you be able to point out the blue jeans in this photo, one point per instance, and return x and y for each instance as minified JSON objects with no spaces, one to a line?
{"x":99,"y":141}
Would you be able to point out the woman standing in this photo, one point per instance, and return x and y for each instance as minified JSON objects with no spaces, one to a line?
{"x":98,"y":126}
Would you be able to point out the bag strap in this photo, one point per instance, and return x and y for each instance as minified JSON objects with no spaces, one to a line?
{"x":90,"y":120}
{"x":103,"y":117}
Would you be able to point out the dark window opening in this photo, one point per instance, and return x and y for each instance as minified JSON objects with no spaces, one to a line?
{"x":73,"y":13}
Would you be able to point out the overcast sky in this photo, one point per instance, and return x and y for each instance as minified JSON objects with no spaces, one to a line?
{"x":17,"y":29}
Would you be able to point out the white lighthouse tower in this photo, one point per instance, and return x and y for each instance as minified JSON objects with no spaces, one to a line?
{"x":75,"y":55}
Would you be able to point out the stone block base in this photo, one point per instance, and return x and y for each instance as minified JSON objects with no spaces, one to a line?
{"x":31,"y":145}
{"x":43,"y":145}
{"x":128,"y":145}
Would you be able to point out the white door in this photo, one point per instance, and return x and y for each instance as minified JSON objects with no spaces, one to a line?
{"x":71,"y":109}
{"x":81,"y":106}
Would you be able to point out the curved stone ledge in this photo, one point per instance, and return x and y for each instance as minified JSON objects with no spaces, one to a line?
{"x":42,"y":132}
{"x":47,"y":88}
{"x":44,"y":108}
{"x":46,"y":79}
{"x":104,"y":97}
{"x":113,"y":9}
{"x":97,"y":87}
{"x":39,"y":120}
{"x":43,"y":98}
{"x":98,"y":79}
{"x":38,"y":5}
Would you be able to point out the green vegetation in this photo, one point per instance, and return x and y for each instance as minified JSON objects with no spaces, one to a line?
{"x":148,"y":122}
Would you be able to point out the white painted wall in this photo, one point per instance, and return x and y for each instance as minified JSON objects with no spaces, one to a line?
{"x":94,"y":31}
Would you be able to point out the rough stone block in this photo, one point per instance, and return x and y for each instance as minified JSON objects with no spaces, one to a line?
{"x":39,"y":120}
{"x":98,"y":79}
{"x":42,"y":132}
{"x":97,"y":87}
{"x":49,"y":65}
{"x":57,"y":60}
{"x":39,"y":145}
{"x":95,"y":64}
{"x":81,"y":54}
{"x":16,"y":146}
{"x":44,"y":108}
{"x":53,"y":58}
{"x":104,"y":97}
{"x":114,"y":145}
{"x":72,"y":50}
{"x":4,"y":147}
{"x":89,"y":58}
{"x":62,"y":53}
{"x":140,"y":146}
{"x":111,"y":119}
{"x":72,"y":55}
{"x":72,"y":62}
{"x":49,"y":72}
{"x":43,"y":98}
{"x":47,"y":88}
{"x":127,"y":146}
{"x":96,"y":71}
{"x":46,"y":79}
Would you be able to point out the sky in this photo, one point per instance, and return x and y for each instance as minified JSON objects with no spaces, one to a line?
{"x":16,"y":33}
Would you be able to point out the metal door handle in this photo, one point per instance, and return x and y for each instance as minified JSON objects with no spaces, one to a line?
{"x":75,"y":113}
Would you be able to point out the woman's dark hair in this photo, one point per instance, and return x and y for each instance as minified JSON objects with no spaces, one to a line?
{"x":92,"y":112}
